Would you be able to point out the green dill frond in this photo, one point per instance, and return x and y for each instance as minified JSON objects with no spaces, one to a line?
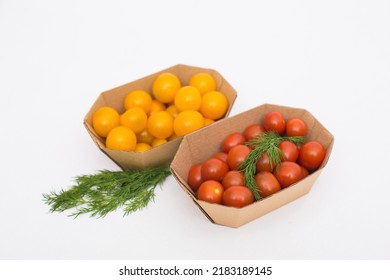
{"x":106,"y":191}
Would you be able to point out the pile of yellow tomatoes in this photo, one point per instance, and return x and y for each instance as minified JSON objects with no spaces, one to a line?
{"x":171,"y":110}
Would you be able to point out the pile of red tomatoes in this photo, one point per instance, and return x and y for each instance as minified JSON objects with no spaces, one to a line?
{"x":220,"y":180}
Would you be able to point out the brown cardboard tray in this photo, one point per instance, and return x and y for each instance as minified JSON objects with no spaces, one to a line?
{"x":199,"y":146}
{"x":115,"y":97}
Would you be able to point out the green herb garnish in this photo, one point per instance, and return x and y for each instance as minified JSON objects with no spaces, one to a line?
{"x":267,"y":142}
{"x":104,"y":192}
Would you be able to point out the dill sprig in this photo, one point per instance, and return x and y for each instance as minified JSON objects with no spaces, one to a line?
{"x":101,"y":193}
{"x":266,"y":142}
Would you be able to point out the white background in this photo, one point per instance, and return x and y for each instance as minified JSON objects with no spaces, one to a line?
{"x":330,"y":57}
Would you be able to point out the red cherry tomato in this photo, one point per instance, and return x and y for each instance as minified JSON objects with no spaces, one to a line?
{"x":274,"y":121}
{"x":237,"y":155}
{"x":304,"y":172}
{"x":267,"y":183}
{"x":263,"y":164}
{"x":232,"y":140}
{"x":253,"y":131}
{"x":211,"y":191}
{"x":288,"y":173}
{"x":214,"y":169}
{"x":296,"y":127}
{"x":222,"y":156}
{"x":233,"y":178}
{"x":195,"y":177}
{"x":237,"y":196}
{"x":311,"y":155}
{"x":290,"y":151}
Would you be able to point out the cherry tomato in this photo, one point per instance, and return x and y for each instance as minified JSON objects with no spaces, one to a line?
{"x":237,"y":155}
{"x":214,"y":169}
{"x":267,"y":183}
{"x":232,"y":140}
{"x":274,"y":121}
{"x":304,"y":172}
{"x":195,"y":176}
{"x":263,"y":163}
{"x":237,"y":196}
{"x":311,"y":155}
{"x":296,"y":127}
{"x":211,"y":191}
{"x":290,"y":151}
{"x":222,"y":156}
{"x":253,"y":131}
{"x":288,"y":173}
{"x":233,"y":178}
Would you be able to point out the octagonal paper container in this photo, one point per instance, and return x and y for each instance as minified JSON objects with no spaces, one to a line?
{"x":115,"y":97}
{"x":200,"y":146}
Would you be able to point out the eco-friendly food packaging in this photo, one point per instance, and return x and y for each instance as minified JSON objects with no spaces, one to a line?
{"x":197,"y":147}
{"x":162,"y":154}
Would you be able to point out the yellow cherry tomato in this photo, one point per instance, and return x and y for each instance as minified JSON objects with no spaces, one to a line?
{"x":104,"y":119}
{"x":160,"y":124}
{"x":140,"y":99}
{"x":165,"y":86}
{"x":214,"y":105}
{"x":121,"y":138}
{"x":172,"y":109}
{"x":157,"y":106}
{"x":145,"y":137}
{"x":188,"y":99}
{"x":173,"y":137}
{"x":135,"y":119}
{"x":157,"y":142}
{"x":142,"y":147}
{"x":187,"y":121}
{"x":203,"y":82}
{"x":208,"y":121}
